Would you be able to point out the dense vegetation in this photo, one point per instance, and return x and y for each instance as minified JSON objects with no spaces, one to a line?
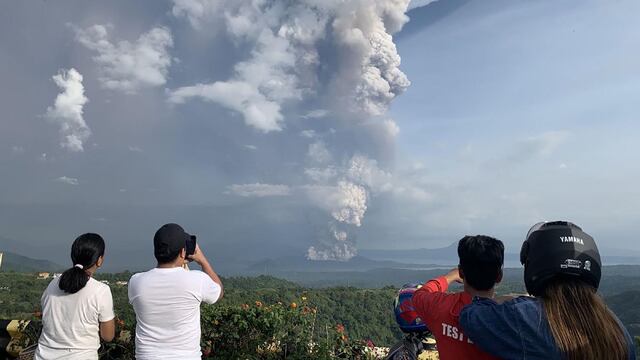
{"x":273,"y":308}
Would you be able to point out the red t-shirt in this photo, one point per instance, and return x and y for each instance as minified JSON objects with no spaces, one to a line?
{"x":440,"y":312}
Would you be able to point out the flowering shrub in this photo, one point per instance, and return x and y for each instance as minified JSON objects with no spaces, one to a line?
{"x":275,"y":331}
{"x":256,"y":331}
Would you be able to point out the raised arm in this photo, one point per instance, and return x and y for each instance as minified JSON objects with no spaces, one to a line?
{"x":433,"y":290}
{"x":201,"y":260}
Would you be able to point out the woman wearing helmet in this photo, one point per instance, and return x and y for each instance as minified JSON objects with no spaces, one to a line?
{"x":565,"y":318}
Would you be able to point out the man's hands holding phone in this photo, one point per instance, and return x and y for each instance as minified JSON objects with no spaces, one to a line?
{"x":198,"y":256}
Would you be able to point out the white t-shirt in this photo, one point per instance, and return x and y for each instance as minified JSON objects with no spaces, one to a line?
{"x":167,"y":305}
{"x":71,"y":322}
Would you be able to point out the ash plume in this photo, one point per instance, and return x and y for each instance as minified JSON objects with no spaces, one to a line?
{"x":285,"y":65}
{"x":329,"y":61}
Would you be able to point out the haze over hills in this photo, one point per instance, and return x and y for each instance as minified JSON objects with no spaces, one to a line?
{"x":231,"y":258}
{"x":18,"y":263}
{"x":449,"y":255}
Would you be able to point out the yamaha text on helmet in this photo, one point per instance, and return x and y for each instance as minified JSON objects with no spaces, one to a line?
{"x":559,"y":248}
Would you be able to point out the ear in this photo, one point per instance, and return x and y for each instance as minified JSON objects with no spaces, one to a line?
{"x":499,"y":279}
{"x":461,"y":272}
{"x":100,"y":261}
{"x":183,"y":253}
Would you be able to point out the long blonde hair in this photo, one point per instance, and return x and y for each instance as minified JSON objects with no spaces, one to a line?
{"x":582,"y":325}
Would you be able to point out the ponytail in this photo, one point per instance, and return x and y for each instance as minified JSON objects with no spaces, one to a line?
{"x":85,"y":252}
{"x":73,"y":280}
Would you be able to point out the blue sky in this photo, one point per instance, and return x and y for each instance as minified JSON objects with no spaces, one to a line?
{"x":311,"y":132}
{"x":531,"y":108}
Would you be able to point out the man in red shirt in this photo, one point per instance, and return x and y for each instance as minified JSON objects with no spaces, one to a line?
{"x":480,"y":269}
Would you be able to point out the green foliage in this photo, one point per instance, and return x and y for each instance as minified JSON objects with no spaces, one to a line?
{"x":277,"y":331}
{"x":626,"y":306}
{"x":309,"y":328}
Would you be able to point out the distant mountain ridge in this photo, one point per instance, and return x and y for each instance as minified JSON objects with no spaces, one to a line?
{"x":19,"y":263}
{"x":301,"y":264}
{"x":450,"y":254}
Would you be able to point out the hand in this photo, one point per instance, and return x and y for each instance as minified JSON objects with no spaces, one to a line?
{"x":198,"y":256}
{"x":453,"y":276}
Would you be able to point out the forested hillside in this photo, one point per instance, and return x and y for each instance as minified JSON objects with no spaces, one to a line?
{"x":365,"y":313}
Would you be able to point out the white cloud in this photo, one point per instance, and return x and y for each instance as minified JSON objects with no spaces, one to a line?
{"x":128,"y":66}
{"x":257,"y":110}
{"x":321,"y":175}
{"x":316,"y":114}
{"x":17,"y":149}
{"x":251,"y":147}
{"x":420,"y":3}
{"x":135,"y":149}
{"x":67,"y":111}
{"x":259,"y":190}
{"x":196,"y":11}
{"x":68,"y":180}
{"x":318,"y":153}
{"x":310,"y":134}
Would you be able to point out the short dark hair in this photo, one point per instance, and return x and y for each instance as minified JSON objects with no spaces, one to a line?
{"x":481,"y":260}
{"x":167,"y":256}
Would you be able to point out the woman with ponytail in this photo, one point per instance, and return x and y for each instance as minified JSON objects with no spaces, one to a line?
{"x":565,"y":318}
{"x":77,"y":310}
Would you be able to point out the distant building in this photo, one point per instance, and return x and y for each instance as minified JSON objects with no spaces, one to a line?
{"x":57,"y":275}
{"x":105,"y":282}
{"x":1,"y":254}
{"x":43,"y":275}
{"x":122,"y":283}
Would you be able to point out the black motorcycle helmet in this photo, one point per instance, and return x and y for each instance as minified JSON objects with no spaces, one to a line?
{"x":559,"y":248}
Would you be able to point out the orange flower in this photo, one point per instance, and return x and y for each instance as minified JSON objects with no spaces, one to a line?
{"x":294,"y":305}
{"x":258,"y":304}
{"x":245,"y":306}
{"x":340,"y":328}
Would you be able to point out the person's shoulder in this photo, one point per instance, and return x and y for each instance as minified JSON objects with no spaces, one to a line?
{"x":97,"y":285}
{"x":53,"y":287}
{"x":196,"y":275}
{"x":140,"y":276}
{"x":523,"y":302}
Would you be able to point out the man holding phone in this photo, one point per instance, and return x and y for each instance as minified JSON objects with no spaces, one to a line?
{"x":167,"y":298}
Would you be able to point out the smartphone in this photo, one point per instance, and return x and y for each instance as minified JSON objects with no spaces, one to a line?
{"x":191,"y":245}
